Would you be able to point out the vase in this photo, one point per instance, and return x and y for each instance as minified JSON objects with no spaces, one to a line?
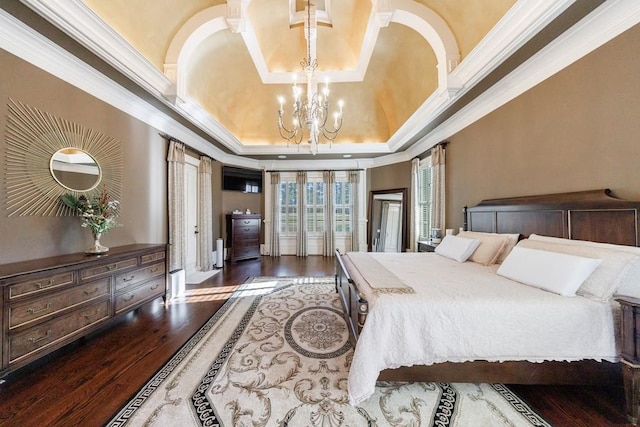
{"x":97,"y":248}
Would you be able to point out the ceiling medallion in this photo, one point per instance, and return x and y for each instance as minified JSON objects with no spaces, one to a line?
{"x":310,"y":111}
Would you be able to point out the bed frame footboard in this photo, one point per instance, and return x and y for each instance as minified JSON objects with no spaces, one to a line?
{"x":355,"y":305}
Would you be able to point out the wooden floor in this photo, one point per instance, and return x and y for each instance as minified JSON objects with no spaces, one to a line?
{"x":86,"y":383}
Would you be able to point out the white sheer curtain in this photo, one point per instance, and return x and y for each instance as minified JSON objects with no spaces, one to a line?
{"x":275,"y":214}
{"x":438,"y":187}
{"x":354,"y":180}
{"x":205,"y":215}
{"x":175,"y":159}
{"x":329,"y":179}
{"x":415,"y":214}
{"x":301,"y":236}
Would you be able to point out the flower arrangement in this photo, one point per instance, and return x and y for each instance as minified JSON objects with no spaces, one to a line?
{"x":99,"y":214}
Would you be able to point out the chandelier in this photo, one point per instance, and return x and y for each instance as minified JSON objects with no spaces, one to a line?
{"x":310,"y":111}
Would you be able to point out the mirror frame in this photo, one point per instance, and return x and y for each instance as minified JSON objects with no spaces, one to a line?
{"x":53,"y":170}
{"x":33,"y":136}
{"x":405,"y":216}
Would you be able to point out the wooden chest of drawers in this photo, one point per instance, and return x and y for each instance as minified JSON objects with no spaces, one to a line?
{"x":51,"y":302}
{"x":243,"y":236}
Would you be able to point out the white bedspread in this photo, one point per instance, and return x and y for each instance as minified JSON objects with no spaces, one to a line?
{"x":465,"y":312}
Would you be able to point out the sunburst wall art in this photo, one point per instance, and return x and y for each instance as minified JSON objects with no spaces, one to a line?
{"x":36,"y":142}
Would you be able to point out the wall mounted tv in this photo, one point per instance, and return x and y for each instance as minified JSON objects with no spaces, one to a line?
{"x":239,"y":179}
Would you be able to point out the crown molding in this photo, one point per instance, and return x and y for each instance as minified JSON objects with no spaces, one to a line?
{"x":74,"y":18}
{"x":606,"y":22}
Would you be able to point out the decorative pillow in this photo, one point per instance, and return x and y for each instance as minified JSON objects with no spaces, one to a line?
{"x":552,"y":271}
{"x":604,"y":281}
{"x":512,"y":240}
{"x":490,"y":247}
{"x":458,"y":248}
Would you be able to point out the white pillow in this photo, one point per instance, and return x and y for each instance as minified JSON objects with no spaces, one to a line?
{"x":494,"y":247}
{"x":629,"y":284}
{"x":554,"y":272}
{"x":604,"y":281}
{"x":458,"y":248}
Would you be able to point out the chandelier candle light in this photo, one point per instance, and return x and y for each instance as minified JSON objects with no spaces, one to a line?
{"x":311,"y":111}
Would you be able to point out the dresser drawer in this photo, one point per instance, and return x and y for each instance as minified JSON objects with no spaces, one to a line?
{"x":246,"y":230}
{"x":249,"y":222}
{"x":151,"y":257}
{"x":132,"y":278}
{"x":142,"y":293}
{"x":53,"y":332}
{"x":101,"y":270}
{"x":248,"y":252}
{"x":21,"y":314}
{"x":34,"y":286}
{"x":249,"y":243}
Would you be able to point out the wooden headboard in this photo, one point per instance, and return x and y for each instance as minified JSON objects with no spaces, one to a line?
{"x":587,"y":215}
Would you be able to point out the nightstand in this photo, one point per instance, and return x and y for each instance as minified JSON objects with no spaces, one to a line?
{"x":630,"y":352}
{"x":426,"y":246}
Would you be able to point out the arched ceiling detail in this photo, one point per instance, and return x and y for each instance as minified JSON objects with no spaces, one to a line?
{"x":212,"y":67}
{"x":392,"y":61}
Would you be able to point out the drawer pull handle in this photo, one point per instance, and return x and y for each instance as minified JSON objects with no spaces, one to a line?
{"x":125,"y":299}
{"x":39,"y":310}
{"x":92,"y":292}
{"x":111,"y":267}
{"x":34,"y":341}
{"x":128,"y":279}
{"x":155,"y":286}
{"x":247,"y":228}
{"x":41,"y":285}
{"x":91,"y":315}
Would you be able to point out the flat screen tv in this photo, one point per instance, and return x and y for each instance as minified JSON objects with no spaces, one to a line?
{"x":240,"y":179}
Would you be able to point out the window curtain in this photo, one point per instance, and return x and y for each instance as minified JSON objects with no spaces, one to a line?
{"x":275,"y":214}
{"x":175,"y":159}
{"x":415,"y":214}
{"x":205,"y":215}
{"x":354,"y":180}
{"x":329,"y":179}
{"x":438,"y":187}
{"x":301,"y":236}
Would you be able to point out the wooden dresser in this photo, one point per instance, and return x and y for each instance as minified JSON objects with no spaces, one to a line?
{"x":243,"y":236}
{"x":50,"y":302}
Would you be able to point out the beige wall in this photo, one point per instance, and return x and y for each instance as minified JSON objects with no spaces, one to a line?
{"x":578,"y":130}
{"x":143,"y":203}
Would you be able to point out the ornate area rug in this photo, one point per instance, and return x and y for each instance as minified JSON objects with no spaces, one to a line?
{"x":278,"y":353}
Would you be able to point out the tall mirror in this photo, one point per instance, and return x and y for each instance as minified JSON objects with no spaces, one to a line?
{"x":387,"y":220}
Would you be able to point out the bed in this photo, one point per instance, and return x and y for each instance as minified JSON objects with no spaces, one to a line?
{"x":387,"y":318}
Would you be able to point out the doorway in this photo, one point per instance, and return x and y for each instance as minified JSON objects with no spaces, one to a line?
{"x":191,"y":214}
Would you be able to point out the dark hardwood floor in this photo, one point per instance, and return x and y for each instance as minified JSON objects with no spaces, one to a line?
{"x":87,"y":382}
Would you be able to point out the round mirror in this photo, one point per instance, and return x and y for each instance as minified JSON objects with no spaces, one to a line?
{"x":75,"y":169}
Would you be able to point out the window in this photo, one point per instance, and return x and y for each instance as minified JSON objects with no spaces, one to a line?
{"x":424,"y":201}
{"x":288,"y":208}
{"x":342,"y":207}
{"x":315,"y":207}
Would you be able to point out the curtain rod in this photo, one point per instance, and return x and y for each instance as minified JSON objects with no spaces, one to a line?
{"x":170,"y":138}
{"x":315,"y":170}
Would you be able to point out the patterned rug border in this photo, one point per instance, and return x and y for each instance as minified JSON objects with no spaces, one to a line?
{"x":446,"y":408}
{"x":136,"y":401}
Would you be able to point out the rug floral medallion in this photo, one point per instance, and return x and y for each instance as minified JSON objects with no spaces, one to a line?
{"x":278,"y":354}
